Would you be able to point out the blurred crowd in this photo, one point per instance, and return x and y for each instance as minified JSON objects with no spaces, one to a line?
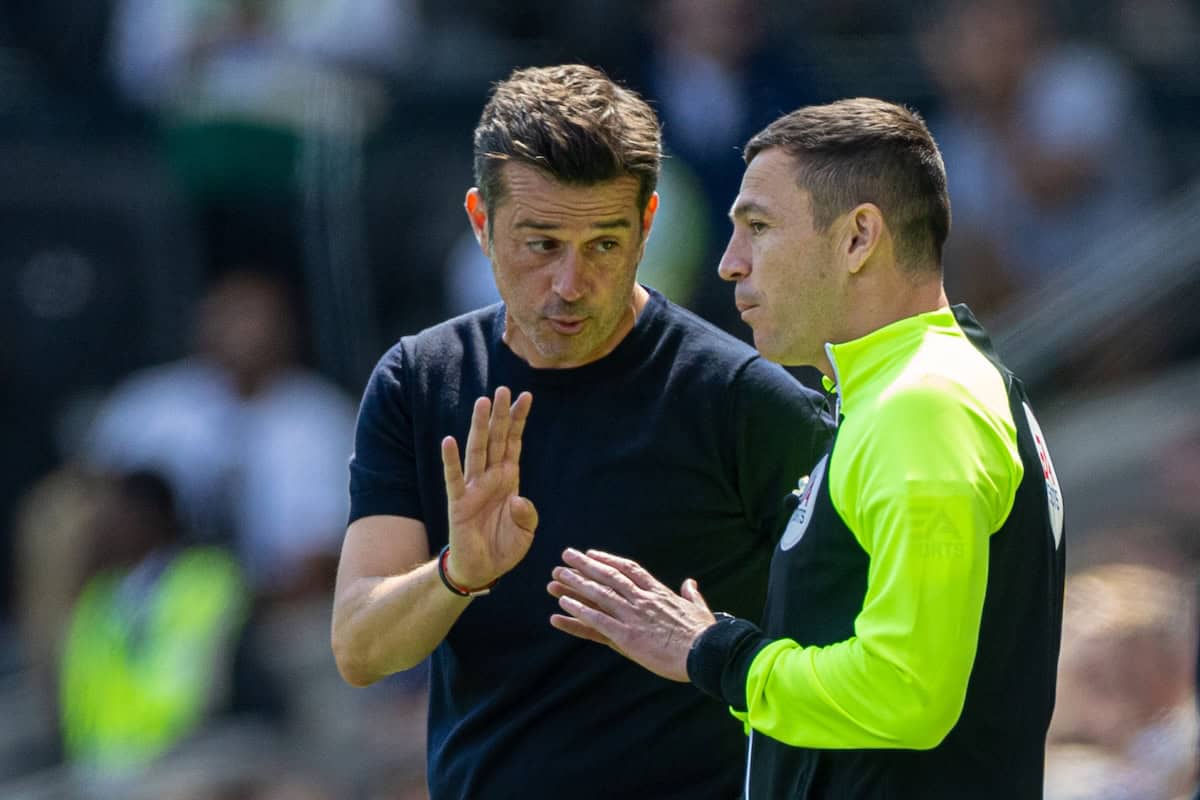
{"x":217,"y":214}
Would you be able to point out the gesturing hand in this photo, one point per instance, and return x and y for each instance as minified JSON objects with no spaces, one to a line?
{"x":615,"y":601}
{"x":491,"y":526}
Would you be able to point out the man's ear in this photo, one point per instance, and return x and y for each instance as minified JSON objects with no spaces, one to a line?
{"x":648,"y":214}
{"x":865,"y":231}
{"x":477,"y":216}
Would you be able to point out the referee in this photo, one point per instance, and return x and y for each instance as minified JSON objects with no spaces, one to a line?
{"x":910,"y":640}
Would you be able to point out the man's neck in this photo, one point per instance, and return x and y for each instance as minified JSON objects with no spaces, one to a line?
{"x":897,"y":301}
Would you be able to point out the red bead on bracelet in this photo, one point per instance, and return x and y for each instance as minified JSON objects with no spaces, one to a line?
{"x":454,"y":587}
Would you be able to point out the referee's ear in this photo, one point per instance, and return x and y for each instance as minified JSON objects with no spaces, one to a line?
{"x":865,"y":236}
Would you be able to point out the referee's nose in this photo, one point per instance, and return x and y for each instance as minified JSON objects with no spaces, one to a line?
{"x":735,"y":261}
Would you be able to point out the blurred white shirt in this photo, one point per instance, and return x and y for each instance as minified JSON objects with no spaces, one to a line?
{"x":270,"y":469}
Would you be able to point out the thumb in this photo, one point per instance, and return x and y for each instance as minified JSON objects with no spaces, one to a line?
{"x":523,"y":513}
{"x":691,"y":592}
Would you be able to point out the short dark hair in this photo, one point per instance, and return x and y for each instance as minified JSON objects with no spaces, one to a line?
{"x":865,"y":150}
{"x":149,"y":494}
{"x":571,"y":121}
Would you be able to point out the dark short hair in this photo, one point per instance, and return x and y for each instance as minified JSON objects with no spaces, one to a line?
{"x":571,"y":121}
{"x":868,"y":151}
{"x":150,"y":494}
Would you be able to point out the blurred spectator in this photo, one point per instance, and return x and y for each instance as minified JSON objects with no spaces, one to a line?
{"x":254,"y":445}
{"x":501,"y":35}
{"x":258,"y":59}
{"x":716,"y":78}
{"x":52,"y":78}
{"x":239,"y":87}
{"x":147,"y":652}
{"x":53,"y":531}
{"x":1161,"y":38}
{"x":1177,"y":476}
{"x":1126,"y":711}
{"x":1158,"y":32}
{"x":1045,"y":143}
{"x":54,"y":525}
{"x":1083,"y":772}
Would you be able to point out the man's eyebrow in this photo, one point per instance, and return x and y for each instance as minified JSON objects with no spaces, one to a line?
{"x":610,"y":224}
{"x":748,"y":208}
{"x":604,"y":225}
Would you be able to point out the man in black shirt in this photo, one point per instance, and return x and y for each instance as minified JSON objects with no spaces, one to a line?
{"x":653,"y":434}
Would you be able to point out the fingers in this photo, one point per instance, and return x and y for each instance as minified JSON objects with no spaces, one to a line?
{"x":520,"y":413}
{"x":477,"y":438}
{"x":456,"y":485}
{"x":558,"y":590}
{"x":599,"y":575}
{"x":498,"y":426}
{"x":580,"y":588}
{"x":602,"y":627}
{"x":691,"y":591}
{"x":633,"y":570}
{"x":574,"y":627}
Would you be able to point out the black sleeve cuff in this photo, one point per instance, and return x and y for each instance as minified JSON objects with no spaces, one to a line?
{"x":720,"y":658}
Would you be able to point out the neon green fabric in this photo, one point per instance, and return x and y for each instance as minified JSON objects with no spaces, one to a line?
{"x":131,"y":689}
{"x":924,"y":469}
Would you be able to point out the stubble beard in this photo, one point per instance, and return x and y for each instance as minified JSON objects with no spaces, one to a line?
{"x":581,"y":348}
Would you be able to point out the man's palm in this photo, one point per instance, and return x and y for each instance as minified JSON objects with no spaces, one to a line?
{"x":491,"y":526}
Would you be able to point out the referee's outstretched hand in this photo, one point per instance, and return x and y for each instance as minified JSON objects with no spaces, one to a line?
{"x":615,"y":601}
{"x":491,"y":525}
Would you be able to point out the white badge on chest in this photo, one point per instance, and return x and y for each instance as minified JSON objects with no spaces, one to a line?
{"x":1054,"y":501}
{"x":808,"y":490}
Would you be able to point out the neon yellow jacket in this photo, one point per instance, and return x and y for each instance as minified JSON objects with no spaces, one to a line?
{"x":139,"y":676}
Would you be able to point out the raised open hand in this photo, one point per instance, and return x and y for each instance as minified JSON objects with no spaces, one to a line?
{"x":491,"y":525}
